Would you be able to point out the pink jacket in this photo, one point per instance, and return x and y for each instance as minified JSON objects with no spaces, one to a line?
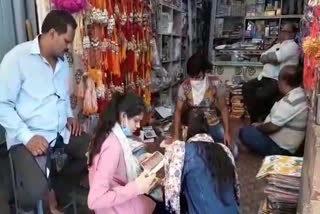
{"x":110,"y":192}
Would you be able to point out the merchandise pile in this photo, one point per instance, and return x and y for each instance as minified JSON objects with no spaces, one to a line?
{"x":283,"y":176}
{"x":237,"y":105}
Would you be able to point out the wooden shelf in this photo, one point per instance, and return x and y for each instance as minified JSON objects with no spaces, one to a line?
{"x":273,"y":17}
{"x":237,"y":64}
{"x":170,"y":34}
{"x":172,"y":7}
{"x":227,"y":37}
{"x":252,"y":52}
{"x":229,"y":17}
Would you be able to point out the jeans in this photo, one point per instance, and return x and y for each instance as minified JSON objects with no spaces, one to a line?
{"x":217,"y":133}
{"x":260,"y":143}
{"x":199,"y":185}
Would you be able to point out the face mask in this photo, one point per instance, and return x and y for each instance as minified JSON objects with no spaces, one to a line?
{"x":126,"y":130}
{"x":198,"y":84}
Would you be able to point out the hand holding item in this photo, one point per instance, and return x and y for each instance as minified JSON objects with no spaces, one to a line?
{"x":146,"y":182}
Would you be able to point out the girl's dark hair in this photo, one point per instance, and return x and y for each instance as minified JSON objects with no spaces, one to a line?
{"x":221,"y":168}
{"x":130,"y":103}
{"x":197,"y":124}
{"x":216,"y":158}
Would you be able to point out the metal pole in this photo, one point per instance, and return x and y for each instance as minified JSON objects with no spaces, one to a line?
{"x":211,"y":53}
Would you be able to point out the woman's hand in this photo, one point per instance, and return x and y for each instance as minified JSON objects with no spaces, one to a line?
{"x":146,"y":182}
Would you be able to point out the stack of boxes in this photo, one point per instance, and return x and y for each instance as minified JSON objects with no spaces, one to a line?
{"x":237,"y":104}
{"x":263,"y":8}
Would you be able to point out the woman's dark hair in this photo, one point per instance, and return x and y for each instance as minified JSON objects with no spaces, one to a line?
{"x":197,"y":124}
{"x":221,"y":168}
{"x":216,"y":157}
{"x":130,"y":104}
{"x":58,"y":20}
{"x":198,"y":63}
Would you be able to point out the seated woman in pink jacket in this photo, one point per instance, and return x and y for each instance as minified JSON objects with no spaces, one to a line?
{"x":116,"y":182}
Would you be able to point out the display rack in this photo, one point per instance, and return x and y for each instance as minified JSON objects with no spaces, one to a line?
{"x":229,"y":25}
{"x":172,"y":43}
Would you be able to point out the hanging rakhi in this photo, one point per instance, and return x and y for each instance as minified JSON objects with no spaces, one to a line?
{"x":77,"y":42}
{"x":116,"y":56}
{"x":87,"y":104}
{"x":111,"y":21}
{"x":103,"y":19}
{"x":90,"y":105}
{"x":96,"y":75}
{"x":130,"y":11}
{"x":93,"y":15}
{"x":123,"y":48}
{"x":116,"y":10}
{"x":130,"y":85}
{"x":112,"y":86}
{"x":127,"y":30}
{"x":95,"y":65}
{"x":97,"y":13}
{"x":124,"y":17}
{"x":139,"y":13}
{"x":146,"y":16}
{"x":123,"y":41}
{"x":86,"y":44}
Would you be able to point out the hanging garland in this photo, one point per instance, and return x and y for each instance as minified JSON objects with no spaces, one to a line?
{"x":114,"y":40}
{"x":311,"y":49}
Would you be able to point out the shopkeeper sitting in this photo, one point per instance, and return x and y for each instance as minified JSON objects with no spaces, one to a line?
{"x":204,"y":93}
{"x":261,"y":93}
{"x":284,"y":129}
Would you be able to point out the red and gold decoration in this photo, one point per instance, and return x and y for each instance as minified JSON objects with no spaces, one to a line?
{"x":311,"y":49}
{"x":114,"y":41}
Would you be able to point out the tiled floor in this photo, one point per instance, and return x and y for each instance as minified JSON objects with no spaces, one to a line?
{"x":248,"y":166}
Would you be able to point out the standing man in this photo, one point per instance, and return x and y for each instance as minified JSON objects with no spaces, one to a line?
{"x":35,"y":104}
{"x":261,"y":93}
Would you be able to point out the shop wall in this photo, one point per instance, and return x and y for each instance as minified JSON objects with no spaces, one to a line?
{"x":7,"y":32}
{"x":13,"y":16}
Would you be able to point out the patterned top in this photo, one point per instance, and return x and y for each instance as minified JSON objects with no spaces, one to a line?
{"x":208,"y":104}
{"x":174,"y":163}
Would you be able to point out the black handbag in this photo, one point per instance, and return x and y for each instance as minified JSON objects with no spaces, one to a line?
{"x":29,"y":182}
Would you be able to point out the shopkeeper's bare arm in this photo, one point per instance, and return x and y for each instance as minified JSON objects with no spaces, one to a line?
{"x":268,"y":128}
{"x":269,"y":58}
{"x":177,"y":120}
